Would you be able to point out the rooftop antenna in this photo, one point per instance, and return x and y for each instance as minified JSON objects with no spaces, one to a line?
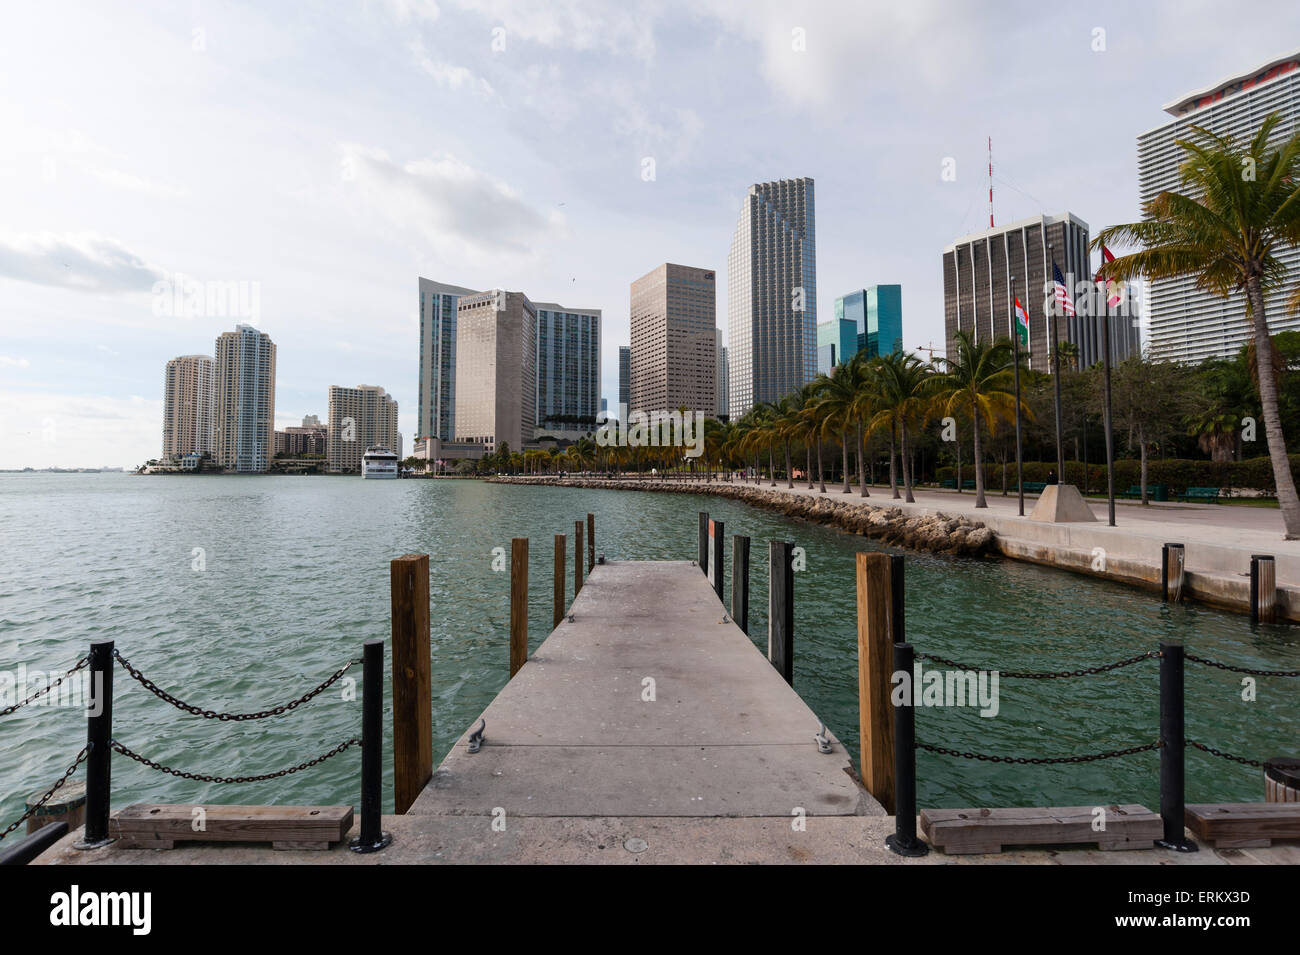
{"x":990,"y":182}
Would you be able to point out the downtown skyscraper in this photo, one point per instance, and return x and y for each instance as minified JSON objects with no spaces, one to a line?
{"x":359,"y":418}
{"x":436,"y":408}
{"x":568,"y":368}
{"x":1188,"y":324}
{"x":674,"y":340}
{"x":772,"y":294}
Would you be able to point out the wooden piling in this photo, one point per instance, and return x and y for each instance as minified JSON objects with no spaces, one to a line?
{"x":412,"y":679}
{"x":577,"y":557}
{"x":518,"y":604}
{"x":561,"y":557}
{"x":717,"y":532}
{"x":1171,"y":572}
{"x":780,"y":608}
{"x":591,"y":541}
{"x":702,"y":543}
{"x":875,"y":668}
{"x":1263,"y":588}
{"x":740,"y":581}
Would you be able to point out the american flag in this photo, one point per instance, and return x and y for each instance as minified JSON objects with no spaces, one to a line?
{"x":1063,"y":300}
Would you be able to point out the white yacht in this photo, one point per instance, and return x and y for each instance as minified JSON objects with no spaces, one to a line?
{"x":378,"y":462}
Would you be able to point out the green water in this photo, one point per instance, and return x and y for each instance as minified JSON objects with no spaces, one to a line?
{"x":296,"y":578}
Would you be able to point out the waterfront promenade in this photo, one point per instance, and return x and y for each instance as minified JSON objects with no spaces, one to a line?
{"x":1218,"y":539}
{"x":585,"y":761}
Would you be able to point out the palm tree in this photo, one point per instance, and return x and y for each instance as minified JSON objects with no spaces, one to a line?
{"x":903,"y":400}
{"x":816,"y":415}
{"x":977,"y":381}
{"x":839,"y":393}
{"x":1241,"y":205}
{"x":866,"y":395}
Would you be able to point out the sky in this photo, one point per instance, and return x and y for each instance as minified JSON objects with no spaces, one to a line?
{"x":321,"y":157}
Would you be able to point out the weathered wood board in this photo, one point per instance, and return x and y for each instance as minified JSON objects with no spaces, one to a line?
{"x":161,"y":826}
{"x":974,"y":831}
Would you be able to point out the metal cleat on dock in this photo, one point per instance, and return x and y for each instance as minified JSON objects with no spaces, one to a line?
{"x":476,"y":737}
{"x":823,"y":744}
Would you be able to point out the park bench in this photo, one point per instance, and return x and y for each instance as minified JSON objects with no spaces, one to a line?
{"x":1035,"y":487}
{"x":968,"y":485}
{"x":1210,"y":494}
{"x":948,"y":484}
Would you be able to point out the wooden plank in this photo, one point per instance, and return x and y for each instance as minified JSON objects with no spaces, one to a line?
{"x":1243,"y":825}
{"x":518,"y":604}
{"x":561,"y":551}
{"x":412,"y":679}
{"x":875,"y":667}
{"x":160,"y":826}
{"x":972,"y":831}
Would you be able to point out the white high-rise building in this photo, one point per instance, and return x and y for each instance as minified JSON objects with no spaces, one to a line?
{"x":244,"y":370}
{"x":436,"y":411}
{"x":1187,"y":324}
{"x":772,"y":294}
{"x":188,"y":400}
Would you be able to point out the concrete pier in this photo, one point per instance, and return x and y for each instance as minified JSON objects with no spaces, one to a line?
{"x":576,"y":732}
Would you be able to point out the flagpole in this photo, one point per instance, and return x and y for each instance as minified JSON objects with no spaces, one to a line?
{"x":1015,"y":344}
{"x":1105,"y":348}
{"x":1056,"y":374}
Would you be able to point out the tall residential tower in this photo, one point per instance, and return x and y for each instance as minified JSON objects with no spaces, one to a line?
{"x":244,"y":372}
{"x":188,"y":400}
{"x":436,"y":411}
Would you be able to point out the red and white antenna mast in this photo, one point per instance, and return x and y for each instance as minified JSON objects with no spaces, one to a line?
{"x":990,"y":182}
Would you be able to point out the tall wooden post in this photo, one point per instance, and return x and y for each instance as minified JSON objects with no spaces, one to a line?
{"x":577,"y":558}
{"x":412,"y":679}
{"x":518,"y":604}
{"x":561,"y":557}
{"x":780,"y":608}
{"x":702,"y":543}
{"x":1171,"y":572}
{"x":875,"y":667}
{"x":740,"y":581}
{"x":591,"y":541}
{"x":717,"y":532}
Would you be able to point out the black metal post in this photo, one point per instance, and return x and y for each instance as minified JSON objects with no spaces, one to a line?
{"x":897,"y":617}
{"x":702,"y":548}
{"x":904,"y":840}
{"x":780,"y":608}
{"x":40,"y":840}
{"x":716,"y":561}
{"x":1172,"y":775}
{"x":372,"y":838}
{"x":99,"y":746}
{"x":740,"y":581}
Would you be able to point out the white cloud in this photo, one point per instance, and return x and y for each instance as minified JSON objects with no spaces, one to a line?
{"x":132,"y":183}
{"x":7,"y":362}
{"x":574,"y":24}
{"x":404,"y":11}
{"x":448,"y":202}
{"x":448,"y":75}
{"x":86,"y":261}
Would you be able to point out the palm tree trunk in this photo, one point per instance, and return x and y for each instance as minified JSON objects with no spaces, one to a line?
{"x":821,"y":477}
{"x":907,"y":471}
{"x":1287,"y":499}
{"x":862,"y":464}
{"x":893,"y":474}
{"x":979,"y":469}
{"x":789,"y":473}
{"x":771,"y":468}
{"x":808,"y":463}
{"x":844,"y":449}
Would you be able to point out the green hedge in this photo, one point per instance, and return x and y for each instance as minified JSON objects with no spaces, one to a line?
{"x":1178,"y":474}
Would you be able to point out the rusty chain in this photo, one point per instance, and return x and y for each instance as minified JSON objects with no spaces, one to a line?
{"x":41,"y":692}
{"x":1040,"y":760}
{"x":153,"y":688}
{"x":58,"y":784}
{"x":204,"y":778}
{"x":1055,"y":675}
{"x":1226,"y":666}
{"x":1257,"y":763}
